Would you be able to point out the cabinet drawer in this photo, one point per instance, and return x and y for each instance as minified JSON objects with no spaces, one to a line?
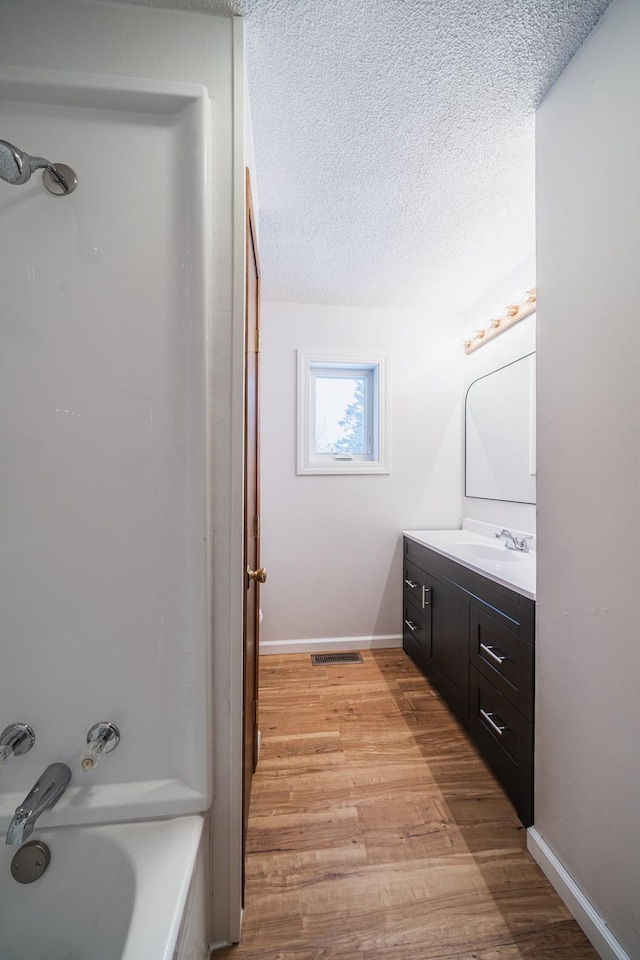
{"x":503,"y":658}
{"x":415,"y":585}
{"x":415,"y":634}
{"x":506,"y":740}
{"x":415,"y":552}
{"x":498,"y":717}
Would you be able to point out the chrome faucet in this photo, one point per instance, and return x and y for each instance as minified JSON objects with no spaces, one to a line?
{"x":44,"y":794}
{"x":512,"y":542}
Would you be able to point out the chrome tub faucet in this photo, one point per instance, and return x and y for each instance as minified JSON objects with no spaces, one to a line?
{"x":512,"y":542}
{"x":44,"y":794}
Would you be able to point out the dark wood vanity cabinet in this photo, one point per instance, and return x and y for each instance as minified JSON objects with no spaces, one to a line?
{"x":474,"y":639}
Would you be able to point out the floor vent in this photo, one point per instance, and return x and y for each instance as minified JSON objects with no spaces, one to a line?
{"x":320,"y":659}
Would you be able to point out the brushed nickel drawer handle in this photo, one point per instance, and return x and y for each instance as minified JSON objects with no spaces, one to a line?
{"x":411,"y":584}
{"x":411,"y":626}
{"x":487,"y":716}
{"x":426,"y":597}
{"x":495,"y":656}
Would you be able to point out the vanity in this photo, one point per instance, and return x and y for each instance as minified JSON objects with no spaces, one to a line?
{"x":468,"y":623}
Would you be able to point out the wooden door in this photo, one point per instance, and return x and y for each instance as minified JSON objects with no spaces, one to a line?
{"x":252,"y":573}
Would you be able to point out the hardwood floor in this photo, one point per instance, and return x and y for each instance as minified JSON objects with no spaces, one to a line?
{"x":377,"y":832}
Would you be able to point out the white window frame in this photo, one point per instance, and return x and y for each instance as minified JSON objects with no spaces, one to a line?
{"x":376,"y":368}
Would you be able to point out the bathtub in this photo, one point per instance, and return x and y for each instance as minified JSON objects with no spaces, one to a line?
{"x":112,"y":892}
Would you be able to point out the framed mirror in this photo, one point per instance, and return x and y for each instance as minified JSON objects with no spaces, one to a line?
{"x":500,"y":434}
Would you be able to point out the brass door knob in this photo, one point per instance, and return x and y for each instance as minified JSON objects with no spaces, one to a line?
{"x":260,"y":576}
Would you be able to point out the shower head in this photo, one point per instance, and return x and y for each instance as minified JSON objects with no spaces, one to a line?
{"x":16,"y":167}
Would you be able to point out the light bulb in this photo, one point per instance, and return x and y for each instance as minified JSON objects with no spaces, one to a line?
{"x":529,"y":296}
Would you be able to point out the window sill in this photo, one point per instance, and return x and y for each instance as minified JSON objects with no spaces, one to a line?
{"x":343,"y":468}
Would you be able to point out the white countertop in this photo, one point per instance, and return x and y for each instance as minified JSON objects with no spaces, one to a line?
{"x":511,"y":568}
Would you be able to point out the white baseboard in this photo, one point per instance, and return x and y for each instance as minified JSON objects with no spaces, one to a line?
{"x":329,"y":644}
{"x":574,"y":899}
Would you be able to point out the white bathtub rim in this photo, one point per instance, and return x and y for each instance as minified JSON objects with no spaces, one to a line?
{"x":160,"y":898}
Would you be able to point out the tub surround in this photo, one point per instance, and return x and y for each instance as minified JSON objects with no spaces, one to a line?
{"x":106,"y":559}
{"x":104,"y":562}
{"x":516,"y":570}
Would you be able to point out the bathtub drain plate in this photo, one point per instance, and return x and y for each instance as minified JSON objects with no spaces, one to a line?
{"x":30,"y":862}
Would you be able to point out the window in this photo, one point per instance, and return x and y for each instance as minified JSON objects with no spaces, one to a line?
{"x":341,"y":414}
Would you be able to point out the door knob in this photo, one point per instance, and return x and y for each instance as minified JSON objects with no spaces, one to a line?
{"x":260,"y":576}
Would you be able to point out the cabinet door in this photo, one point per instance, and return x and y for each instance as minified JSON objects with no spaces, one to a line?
{"x":450,"y":642}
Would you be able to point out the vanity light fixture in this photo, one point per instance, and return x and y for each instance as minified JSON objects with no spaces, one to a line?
{"x":514,"y":312}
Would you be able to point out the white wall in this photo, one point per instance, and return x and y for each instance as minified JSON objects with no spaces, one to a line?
{"x":164,"y":45}
{"x":249,"y":151}
{"x":332,"y":545}
{"x":514,"y":343}
{"x":588,"y":646}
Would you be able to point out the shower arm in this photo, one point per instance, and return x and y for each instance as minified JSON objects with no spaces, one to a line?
{"x":39,"y":163}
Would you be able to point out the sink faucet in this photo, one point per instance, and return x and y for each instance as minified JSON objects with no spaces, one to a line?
{"x":44,"y":794}
{"x":512,"y":542}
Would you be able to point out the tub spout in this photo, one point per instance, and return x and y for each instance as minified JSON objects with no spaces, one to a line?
{"x":44,"y":794}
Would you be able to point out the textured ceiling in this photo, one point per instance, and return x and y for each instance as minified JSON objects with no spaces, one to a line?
{"x":394,"y":140}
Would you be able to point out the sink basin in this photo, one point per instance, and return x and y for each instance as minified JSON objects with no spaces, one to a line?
{"x":481,"y":551}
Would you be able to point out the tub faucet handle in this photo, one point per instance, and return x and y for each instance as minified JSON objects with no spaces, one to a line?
{"x":102,"y":738}
{"x":15,"y":740}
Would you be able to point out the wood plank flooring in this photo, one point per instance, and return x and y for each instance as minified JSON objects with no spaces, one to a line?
{"x":377,"y":832}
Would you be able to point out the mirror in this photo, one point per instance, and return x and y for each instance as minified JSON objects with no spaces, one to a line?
{"x":501,"y":434}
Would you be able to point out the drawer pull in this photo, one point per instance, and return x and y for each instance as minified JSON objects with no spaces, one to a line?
{"x":411,"y":584}
{"x":494,"y":726}
{"x":426,"y":597}
{"x":495,"y":656}
{"x":411,"y":626}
